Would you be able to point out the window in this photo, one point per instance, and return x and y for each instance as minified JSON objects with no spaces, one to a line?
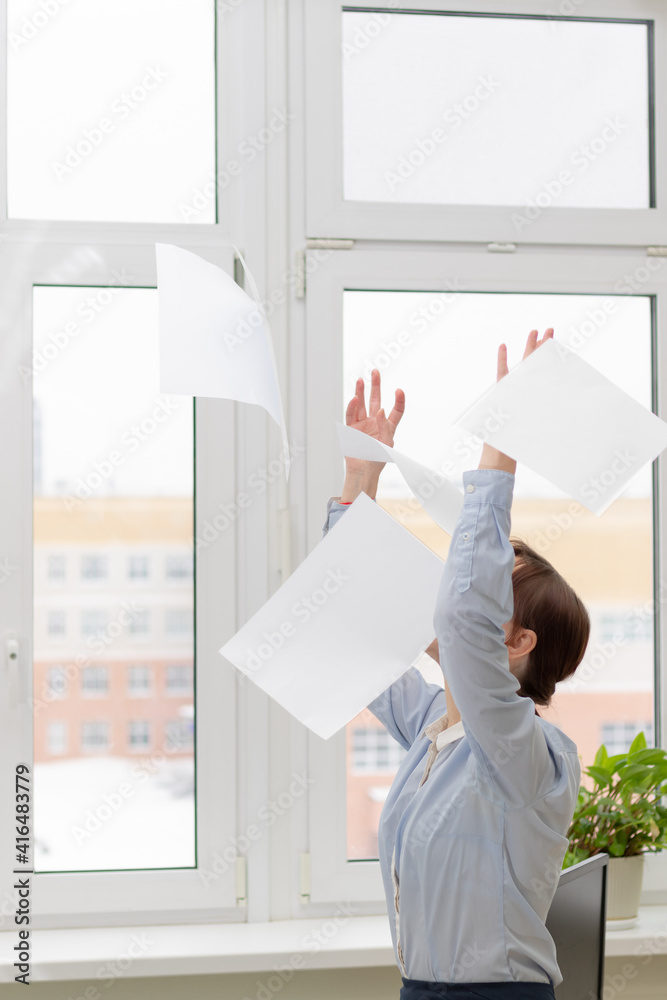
{"x":57,"y":682}
{"x":139,"y":681}
{"x":618,"y":736}
{"x":94,"y":567}
{"x":57,"y":566}
{"x":178,"y":621}
{"x":94,"y":682}
{"x":57,"y":623}
{"x":141,"y":622}
{"x":138,"y":567}
{"x":179,"y":567}
{"x":93,"y":620}
{"x":179,"y":734}
{"x":374,"y":751}
{"x":138,"y":735}
{"x":627,"y":625}
{"x":179,"y":679}
{"x":94,"y":735}
{"x":56,"y":738}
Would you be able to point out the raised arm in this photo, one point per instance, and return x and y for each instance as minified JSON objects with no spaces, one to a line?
{"x":474,"y":604}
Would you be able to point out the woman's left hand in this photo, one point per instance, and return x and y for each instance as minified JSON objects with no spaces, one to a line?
{"x":491,"y":457}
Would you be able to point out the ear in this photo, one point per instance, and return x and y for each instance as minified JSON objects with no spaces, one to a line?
{"x":522,"y":644}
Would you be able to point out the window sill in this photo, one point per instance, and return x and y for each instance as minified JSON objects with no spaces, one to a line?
{"x":106,"y":952}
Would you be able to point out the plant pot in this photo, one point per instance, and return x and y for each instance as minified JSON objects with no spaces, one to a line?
{"x":624,"y":887}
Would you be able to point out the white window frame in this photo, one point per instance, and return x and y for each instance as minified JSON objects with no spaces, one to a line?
{"x":330,"y":216}
{"x":580,"y":271}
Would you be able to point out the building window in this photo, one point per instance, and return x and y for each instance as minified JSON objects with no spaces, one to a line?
{"x":138,"y":735}
{"x":94,"y":682}
{"x":374,"y":751}
{"x":140,"y":623}
{"x":617,"y":736}
{"x":56,"y":738}
{"x":179,"y":734}
{"x":93,"y":620}
{"x":138,"y":567}
{"x":629,"y":623}
{"x":178,"y":621}
{"x":94,"y":567}
{"x":139,"y":681}
{"x":56,"y":623}
{"x":95,"y":735}
{"x":56,"y":567}
{"x":179,"y":679}
{"x":179,"y":567}
{"x":56,"y":680}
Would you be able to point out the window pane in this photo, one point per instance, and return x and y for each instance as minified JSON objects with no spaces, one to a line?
{"x":478,"y":110}
{"x":113,"y":482}
{"x":111,"y":110}
{"x":430,"y":345}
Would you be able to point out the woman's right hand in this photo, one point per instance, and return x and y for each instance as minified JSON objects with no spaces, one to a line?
{"x":362,"y":476}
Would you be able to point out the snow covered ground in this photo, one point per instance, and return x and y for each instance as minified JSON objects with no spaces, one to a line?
{"x":114,"y":812}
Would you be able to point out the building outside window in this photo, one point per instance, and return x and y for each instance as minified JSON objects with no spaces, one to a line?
{"x":95,"y":681}
{"x":617,"y":736}
{"x":56,"y":567}
{"x":140,"y":624}
{"x":56,"y":623}
{"x":138,"y":735}
{"x":56,"y":738}
{"x":57,"y":682}
{"x":93,"y":620}
{"x":139,"y":680}
{"x":179,"y":679}
{"x":178,"y":621}
{"x":179,"y":567}
{"x":374,"y":751}
{"x":95,"y":735}
{"x":94,"y":567}
{"x":179,"y":734}
{"x":138,"y":567}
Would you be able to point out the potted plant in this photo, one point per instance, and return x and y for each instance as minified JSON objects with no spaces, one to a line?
{"x":622,"y":815}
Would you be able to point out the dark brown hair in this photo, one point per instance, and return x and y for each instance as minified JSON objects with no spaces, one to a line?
{"x":545,"y":603}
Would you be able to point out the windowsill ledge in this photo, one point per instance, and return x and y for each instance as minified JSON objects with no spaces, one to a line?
{"x":107,"y":952}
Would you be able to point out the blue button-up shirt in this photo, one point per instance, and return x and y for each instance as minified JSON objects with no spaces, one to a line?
{"x":473,"y":832}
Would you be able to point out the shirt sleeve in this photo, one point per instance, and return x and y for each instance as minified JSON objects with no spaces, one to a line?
{"x":405,"y":707}
{"x":475,"y":600}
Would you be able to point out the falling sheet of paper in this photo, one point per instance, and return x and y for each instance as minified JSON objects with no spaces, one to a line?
{"x":563,"y":419}
{"x":348,"y":622}
{"x":439,"y":497}
{"x":214,"y":339}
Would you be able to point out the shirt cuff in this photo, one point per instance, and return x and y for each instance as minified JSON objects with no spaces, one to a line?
{"x":488,"y":486}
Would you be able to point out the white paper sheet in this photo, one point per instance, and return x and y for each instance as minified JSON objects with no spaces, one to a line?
{"x":347,"y":623}
{"x":214,"y":339}
{"x":439,"y":497}
{"x":563,"y":419}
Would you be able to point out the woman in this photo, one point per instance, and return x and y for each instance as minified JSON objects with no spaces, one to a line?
{"x":472,"y":834}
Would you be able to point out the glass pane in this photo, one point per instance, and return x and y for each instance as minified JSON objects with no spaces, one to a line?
{"x":111,"y":110}
{"x":441,"y":349}
{"x":483,"y":110}
{"x":113,"y":506}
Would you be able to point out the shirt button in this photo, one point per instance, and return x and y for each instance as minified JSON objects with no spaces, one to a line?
{"x":465,"y":536}
{"x":470,"y":488}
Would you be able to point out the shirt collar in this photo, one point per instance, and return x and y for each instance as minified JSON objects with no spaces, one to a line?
{"x":441,"y":733}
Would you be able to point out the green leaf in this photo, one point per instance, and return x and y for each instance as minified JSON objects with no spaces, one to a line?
{"x":601,"y":756}
{"x":639,"y":743}
{"x":600,"y":775}
{"x":638,"y":772}
{"x":650,"y":756}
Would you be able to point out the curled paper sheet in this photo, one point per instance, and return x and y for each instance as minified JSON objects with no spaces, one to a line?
{"x":349,"y":621}
{"x":214,"y":339}
{"x":439,"y":497}
{"x":564,"y":420}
